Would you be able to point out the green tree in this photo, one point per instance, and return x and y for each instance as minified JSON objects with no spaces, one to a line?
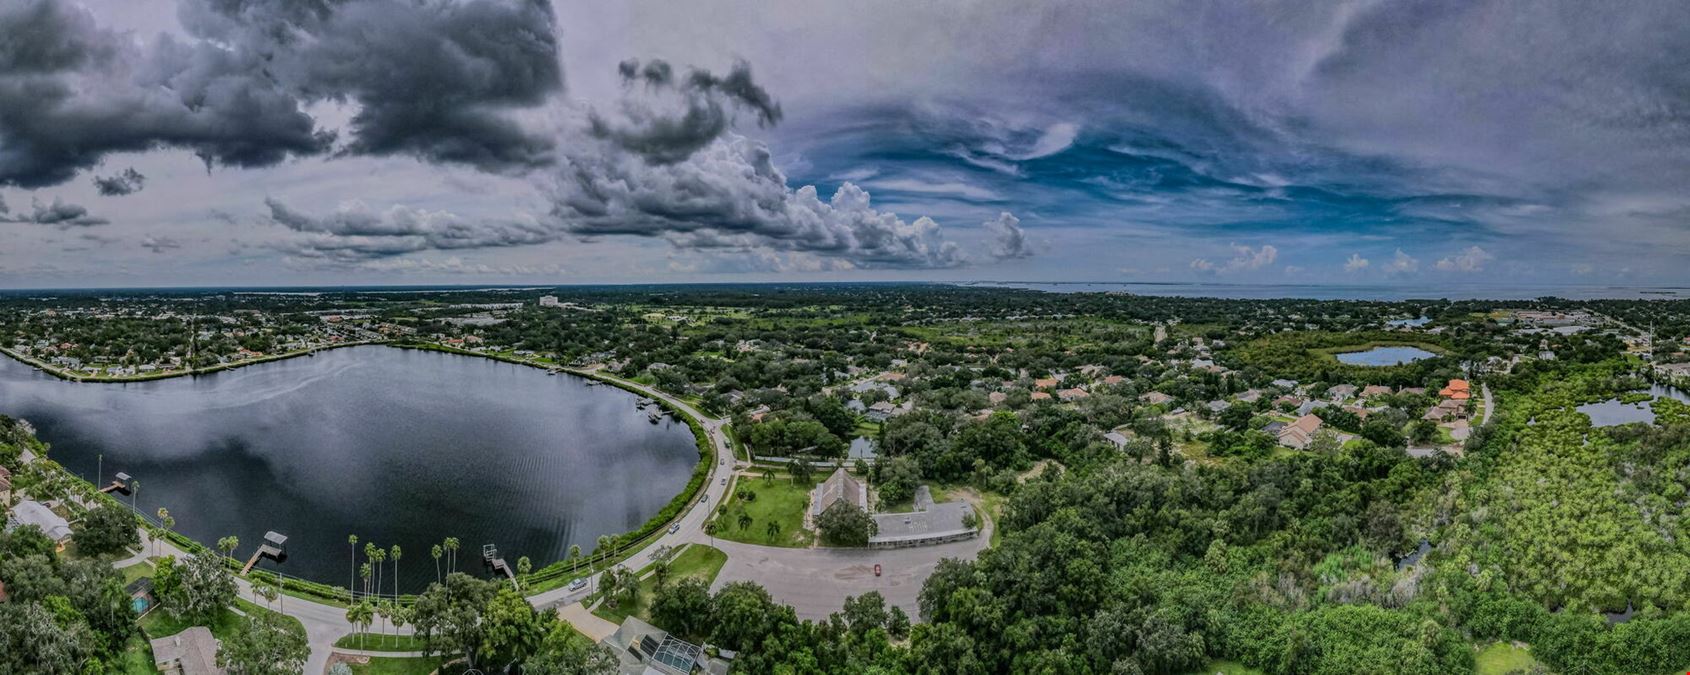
{"x":32,"y":641}
{"x":566,"y":652}
{"x":844,"y":524}
{"x":352,"y":580}
{"x":448,"y":616}
{"x":264,"y":644}
{"x":436,"y":552}
{"x":512,"y":630}
{"x":683,"y":607}
{"x":203,"y":588}
{"x":108,"y":529}
{"x":361,"y":614}
{"x":228,"y":545}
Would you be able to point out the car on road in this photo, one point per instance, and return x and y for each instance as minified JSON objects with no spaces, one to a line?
{"x":877,"y":569}
{"x":578,"y":584}
{"x":674,"y":528}
{"x":724,"y":481}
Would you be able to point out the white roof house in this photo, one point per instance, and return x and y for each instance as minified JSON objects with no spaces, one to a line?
{"x":35,"y":513}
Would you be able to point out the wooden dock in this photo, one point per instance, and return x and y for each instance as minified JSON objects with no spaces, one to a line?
{"x":490,"y":556}
{"x":120,"y":485}
{"x":274,"y":547}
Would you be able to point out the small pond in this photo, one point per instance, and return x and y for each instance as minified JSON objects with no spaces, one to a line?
{"x":1385,"y":356}
{"x":1613,"y":412}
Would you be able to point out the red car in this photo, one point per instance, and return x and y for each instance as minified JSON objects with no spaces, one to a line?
{"x":877,"y":569}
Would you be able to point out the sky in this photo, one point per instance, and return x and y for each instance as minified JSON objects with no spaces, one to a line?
{"x":311,"y":142}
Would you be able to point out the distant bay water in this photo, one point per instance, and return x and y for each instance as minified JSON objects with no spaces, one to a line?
{"x":1348,"y":292}
{"x":395,"y":446}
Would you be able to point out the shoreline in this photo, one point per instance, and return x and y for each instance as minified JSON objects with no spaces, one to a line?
{"x":171,"y":374}
{"x":543,"y":578}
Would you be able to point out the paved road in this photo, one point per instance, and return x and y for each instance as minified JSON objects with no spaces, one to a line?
{"x":1489,"y":406}
{"x":692,"y":523}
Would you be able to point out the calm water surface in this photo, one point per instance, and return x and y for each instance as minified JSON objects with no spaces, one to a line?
{"x":399,"y":447}
{"x":1385,"y":356}
{"x":1612,"y":412}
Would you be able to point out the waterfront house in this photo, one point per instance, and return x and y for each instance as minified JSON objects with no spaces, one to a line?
{"x":29,"y":512}
{"x":1375,"y":390}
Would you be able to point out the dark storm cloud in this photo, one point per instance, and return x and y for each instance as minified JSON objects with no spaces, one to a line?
{"x":681,"y":116}
{"x":355,"y":232}
{"x":440,"y":80}
{"x":129,"y":181}
{"x":71,"y":92}
{"x":57,"y":213}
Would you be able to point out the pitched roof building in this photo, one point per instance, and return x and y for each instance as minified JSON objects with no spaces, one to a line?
{"x":1299,"y":434}
{"x":35,"y":513}
{"x":838,"y":487}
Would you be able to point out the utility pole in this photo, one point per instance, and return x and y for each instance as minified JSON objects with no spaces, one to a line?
{"x":99,"y":469}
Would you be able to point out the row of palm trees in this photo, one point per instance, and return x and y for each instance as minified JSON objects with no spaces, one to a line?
{"x":374,"y":557}
{"x":365,"y":613}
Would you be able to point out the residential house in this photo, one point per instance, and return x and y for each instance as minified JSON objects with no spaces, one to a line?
{"x":1114,"y":379}
{"x":190,"y":652}
{"x":1249,"y":396}
{"x":644,"y":649}
{"x":882,"y":411}
{"x":997,"y":397}
{"x":1074,"y":394}
{"x":1339,"y":392}
{"x":1299,"y":435}
{"x":5,"y":488}
{"x":1217,"y":406}
{"x":1458,"y":390}
{"x":1284,"y":383}
{"x":1046,"y":383}
{"x":1372,"y":390}
{"x":29,"y":512}
{"x":1118,"y":438}
{"x":1155,"y":398}
{"x":1040,"y":396}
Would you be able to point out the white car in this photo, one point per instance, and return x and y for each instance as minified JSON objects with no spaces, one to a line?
{"x":674,"y":528}
{"x":578,"y":584}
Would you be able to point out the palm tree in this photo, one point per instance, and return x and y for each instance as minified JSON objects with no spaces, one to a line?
{"x":523,"y":566}
{"x":361,"y":614}
{"x":436,"y":551}
{"x":710,"y":531}
{"x":773,"y":530}
{"x":134,"y":489}
{"x":352,"y":540}
{"x":364,"y":570}
{"x":228,"y":545}
{"x":265,"y":591}
{"x":660,"y":572}
{"x":574,"y":558}
{"x":378,"y":557}
{"x":452,"y":548}
{"x":399,"y":615}
{"x":383,"y":610}
{"x":745,"y":520}
{"x":395,"y":572}
{"x":165,"y":521}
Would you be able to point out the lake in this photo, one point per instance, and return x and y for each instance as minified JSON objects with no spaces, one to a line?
{"x":1384,"y":356}
{"x":1612,"y":412}
{"x":397,"y":446}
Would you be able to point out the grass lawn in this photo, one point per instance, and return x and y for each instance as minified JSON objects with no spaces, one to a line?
{"x":136,"y":571}
{"x":1228,"y":668}
{"x":695,"y":560}
{"x":1501,"y":657}
{"x":779,"y":501}
{"x":159,"y":623}
{"x":391,"y":665}
{"x":137,"y":658}
{"x":378,"y":642}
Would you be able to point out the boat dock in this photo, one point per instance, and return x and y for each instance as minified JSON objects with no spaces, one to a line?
{"x":121,"y":485}
{"x":274,"y":547}
{"x":490,"y":556}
